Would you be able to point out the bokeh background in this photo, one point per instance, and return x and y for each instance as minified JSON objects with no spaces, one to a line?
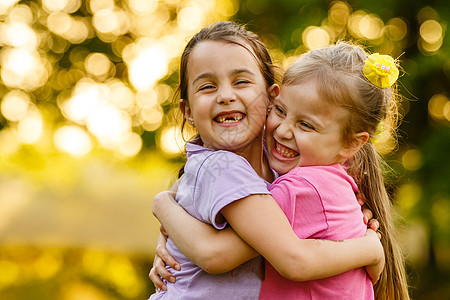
{"x":88,"y":136}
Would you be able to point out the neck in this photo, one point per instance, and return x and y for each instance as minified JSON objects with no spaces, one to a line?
{"x":254,"y":154}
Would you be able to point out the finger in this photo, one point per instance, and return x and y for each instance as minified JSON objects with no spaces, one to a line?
{"x":157,"y":281}
{"x":359,"y":198}
{"x":163,"y":231}
{"x":367,"y":215}
{"x":167,"y":258}
{"x":373,"y":224}
{"x":164,"y":273}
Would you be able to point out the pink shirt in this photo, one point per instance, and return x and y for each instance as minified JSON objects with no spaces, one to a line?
{"x":320,"y":203}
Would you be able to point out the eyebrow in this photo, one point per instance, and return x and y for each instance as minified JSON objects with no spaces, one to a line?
{"x":239,"y":71}
{"x":201,"y":76}
{"x":234,"y":72}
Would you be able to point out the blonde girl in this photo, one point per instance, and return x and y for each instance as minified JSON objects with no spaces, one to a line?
{"x":319,"y":131}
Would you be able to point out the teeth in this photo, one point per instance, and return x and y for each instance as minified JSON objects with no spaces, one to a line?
{"x":224,"y":119}
{"x":286,"y":153}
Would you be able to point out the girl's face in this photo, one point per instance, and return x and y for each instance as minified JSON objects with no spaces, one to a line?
{"x":304,"y":130}
{"x":227,"y":96}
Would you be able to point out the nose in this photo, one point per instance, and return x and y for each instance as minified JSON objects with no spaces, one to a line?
{"x":284,"y":131}
{"x":226,"y":95}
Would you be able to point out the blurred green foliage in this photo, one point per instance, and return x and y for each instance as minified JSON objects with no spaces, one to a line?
{"x":86,"y":135}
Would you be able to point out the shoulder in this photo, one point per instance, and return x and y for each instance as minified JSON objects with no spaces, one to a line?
{"x":315,"y":177}
{"x":305,"y":175}
{"x":296,"y":182}
{"x":324,"y":175}
{"x":223,"y":166}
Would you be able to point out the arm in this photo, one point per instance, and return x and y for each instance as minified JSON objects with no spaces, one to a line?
{"x":260,"y":221}
{"x":215,"y":251}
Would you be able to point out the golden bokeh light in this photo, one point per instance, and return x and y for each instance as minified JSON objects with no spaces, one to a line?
{"x":72,"y":140}
{"x":227,"y":8}
{"x":142,"y":7}
{"x":371,"y":27}
{"x":412,"y":159}
{"x":191,"y":17}
{"x":109,"y":124}
{"x":9,"y":143}
{"x":111,"y":22}
{"x":354,"y":23}
{"x":396,"y":29}
{"x":438,"y":107}
{"x":87,"y":97}
{"x":30,"y":127}
{"x":5,"y":5}
{"x":431,"y":37}
{"x":59,"y":22}
{"x":121,"y":96}
{"x":130,"y":145}
{"x":18,"y":34}
{"x":68,"y":6}
{"x":171,"y":141}
{"x":149,"y":65}
{"x":314,"y":37}
{"x":23,"y":69}
{"x":431,"y":31}
{"x":151,"y":118}
{"x":21,"y":14}
{"x":339,"y":13}
{"x":427,"y":13}
{"x":74,"y":29}
{"x":427,"y":48}
{"x":97,"y":64}
{"x":97,"y":5}
{"x":47,"y":265}
{"x":14,"y":105}
{"x":408,"y":195}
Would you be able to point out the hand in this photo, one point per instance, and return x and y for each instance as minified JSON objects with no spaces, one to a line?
{"x":154,"y":276}
{"x":164,"y":196}
{"x":374,"y":270}
{"x":159,"y":271}
{"x":367,"y":214}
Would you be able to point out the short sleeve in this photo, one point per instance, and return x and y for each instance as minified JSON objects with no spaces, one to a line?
{"x":223,"y":178}
{"x":302,"y":204}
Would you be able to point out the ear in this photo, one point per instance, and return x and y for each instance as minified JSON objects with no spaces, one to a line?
{"x":273,"y":91}
{"x":357,"y":142}
{"x":186,"y":110}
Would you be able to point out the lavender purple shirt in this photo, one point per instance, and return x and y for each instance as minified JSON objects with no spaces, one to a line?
{"x":212,"y":180}
{"x":319,"y":203}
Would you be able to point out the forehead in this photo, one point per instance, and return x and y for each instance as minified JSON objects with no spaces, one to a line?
{"x":306,"y":98}
{"x":216,"y":56}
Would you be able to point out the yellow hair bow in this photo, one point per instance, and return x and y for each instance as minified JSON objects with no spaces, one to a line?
{"x":380,"y":70}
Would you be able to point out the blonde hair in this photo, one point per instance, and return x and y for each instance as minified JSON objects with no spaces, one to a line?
{"x":337,"y":71}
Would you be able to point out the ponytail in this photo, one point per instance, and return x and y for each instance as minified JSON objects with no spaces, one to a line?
{"x":365,"y":168}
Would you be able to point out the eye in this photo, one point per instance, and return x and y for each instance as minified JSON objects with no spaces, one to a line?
{"x":306,"y":125}
{"x":279,"y":110}
{"x":242,"y":81}
{"x":206,"y":87}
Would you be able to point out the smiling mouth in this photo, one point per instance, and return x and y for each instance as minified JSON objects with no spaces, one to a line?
{"x":229,"y":117}
{"x":285,"y":151}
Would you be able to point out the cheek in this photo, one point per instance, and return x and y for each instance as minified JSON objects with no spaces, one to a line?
{"x":271,"y":122}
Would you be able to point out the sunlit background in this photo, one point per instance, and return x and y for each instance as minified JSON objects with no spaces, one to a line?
{"x":88,"y":134}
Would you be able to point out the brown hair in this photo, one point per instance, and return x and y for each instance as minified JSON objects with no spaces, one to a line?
{"x":337,"y":70}
{"x":227,"y":32}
